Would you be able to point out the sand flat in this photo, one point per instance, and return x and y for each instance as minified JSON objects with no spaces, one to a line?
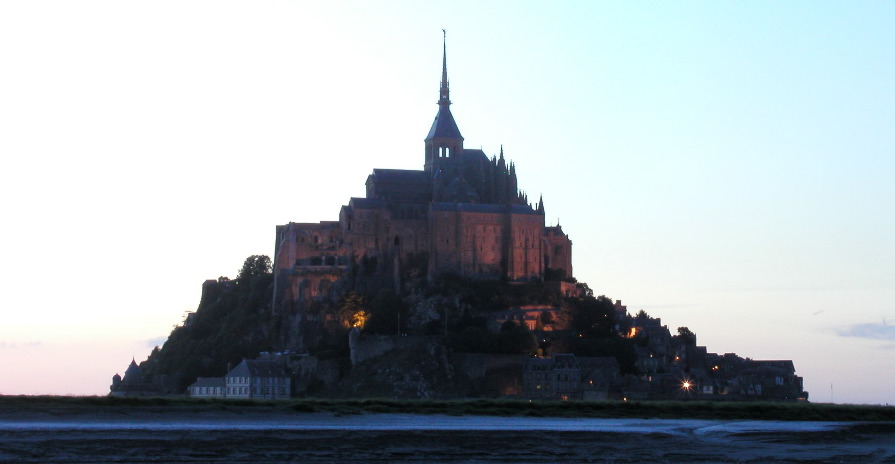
{"x":222,"y":436}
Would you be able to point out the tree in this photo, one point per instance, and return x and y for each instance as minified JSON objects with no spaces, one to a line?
{"x":588,"y":293}
{"x":642,"y":316}
{"x":593,"y":317}
{"x":516,"y":339}
{"x":254,"y":266}
{"x":352,"y":309}
{"x":686,"y":335}
{"x":475,"y":340}
{"x":385,"y":314}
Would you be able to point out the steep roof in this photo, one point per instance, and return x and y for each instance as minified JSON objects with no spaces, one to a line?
{"x":482,"y":208}
{"x":474,"y":154}
{"x":444,"y":125}
{"x":258,"y":368}
{"x":208,"y":382}
{"x":133,"y":370}
{"x":400,"y":176}
{"x":365,"y":203}
{"x":786,"y":364}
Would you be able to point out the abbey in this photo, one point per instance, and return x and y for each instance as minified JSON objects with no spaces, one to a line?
{"x":463,"y":213}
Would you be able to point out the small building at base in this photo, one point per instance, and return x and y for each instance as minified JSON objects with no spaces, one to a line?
{"x":259,"y":379}
{"x":208,"y":387}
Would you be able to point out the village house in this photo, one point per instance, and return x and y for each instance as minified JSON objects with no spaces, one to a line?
{"x":208,"y":387}
{"x":259,"y":379}
{"x":674,"y":366}
{"x":568,"y":377}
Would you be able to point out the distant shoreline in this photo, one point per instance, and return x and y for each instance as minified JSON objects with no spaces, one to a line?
{"x":24,"y":406}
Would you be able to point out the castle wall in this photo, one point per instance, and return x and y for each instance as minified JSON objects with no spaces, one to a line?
{"x":486,"y":243}
{"x":483,"y":245}
{"x":363,"y":232}
{"x":307,"y":244}
{"x":526,"y":254}
{"x":406,"y":236}
{"x":444,"y":240}
{"x":557,"y":250}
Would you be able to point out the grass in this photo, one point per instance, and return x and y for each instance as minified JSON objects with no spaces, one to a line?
{"x":488,"y":407}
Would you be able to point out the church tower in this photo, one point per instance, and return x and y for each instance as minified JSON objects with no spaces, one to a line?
{"x":444,"y":144}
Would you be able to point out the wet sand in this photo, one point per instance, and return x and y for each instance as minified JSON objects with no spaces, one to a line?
{"x":185,"y":437}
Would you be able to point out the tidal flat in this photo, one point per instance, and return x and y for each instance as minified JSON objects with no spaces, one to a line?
{"x":51,"y":430}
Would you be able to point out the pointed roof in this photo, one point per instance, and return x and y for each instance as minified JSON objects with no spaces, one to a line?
{"x":444,"y":125}
{"x":133,"y":374}
{"x":132,"y":368}
{"x":259,"y":368}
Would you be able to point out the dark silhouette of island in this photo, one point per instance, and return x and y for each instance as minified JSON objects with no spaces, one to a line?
{"x":444,"y":282}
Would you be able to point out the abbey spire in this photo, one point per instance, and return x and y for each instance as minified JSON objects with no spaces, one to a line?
{"x":444,"y":144}
{"x":445,"y":89}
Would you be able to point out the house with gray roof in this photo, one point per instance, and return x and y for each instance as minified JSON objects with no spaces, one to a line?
{"x":208,"y":387}
{"x":259,"y":379}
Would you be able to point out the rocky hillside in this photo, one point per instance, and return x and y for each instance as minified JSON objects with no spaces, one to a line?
{"x":447,"y":320}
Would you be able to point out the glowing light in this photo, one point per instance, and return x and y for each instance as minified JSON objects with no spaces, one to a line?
{"x":359,"y":319}
{"x":686,"y":385}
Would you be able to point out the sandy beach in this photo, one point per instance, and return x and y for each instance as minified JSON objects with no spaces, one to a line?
{"x":229,"y":436}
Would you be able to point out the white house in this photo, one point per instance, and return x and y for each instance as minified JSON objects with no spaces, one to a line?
{"x":208,"y":387}
{"x":259,"y":379}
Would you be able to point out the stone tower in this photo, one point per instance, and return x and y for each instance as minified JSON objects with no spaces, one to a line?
{"x":444,"y":144}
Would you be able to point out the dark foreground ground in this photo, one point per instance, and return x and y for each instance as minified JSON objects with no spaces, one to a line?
{"x":240,"y":437}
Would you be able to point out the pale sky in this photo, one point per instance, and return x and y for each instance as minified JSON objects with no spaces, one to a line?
{"x":726,"y":166}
